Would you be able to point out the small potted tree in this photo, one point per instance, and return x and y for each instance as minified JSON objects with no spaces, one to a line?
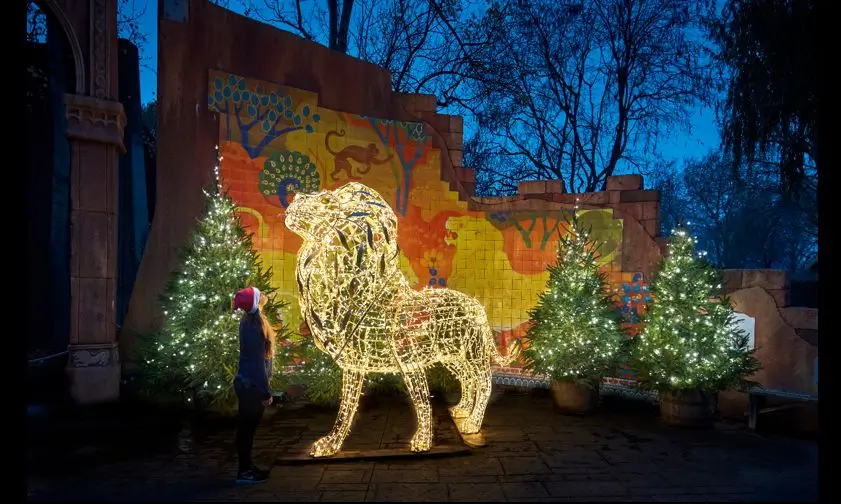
{"x":689,"y":348}
{"x":574,"y":335}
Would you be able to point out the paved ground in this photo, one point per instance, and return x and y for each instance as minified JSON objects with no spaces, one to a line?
{"x":534,"y":455}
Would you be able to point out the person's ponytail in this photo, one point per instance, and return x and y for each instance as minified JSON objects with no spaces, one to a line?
{"x":269,"y":335}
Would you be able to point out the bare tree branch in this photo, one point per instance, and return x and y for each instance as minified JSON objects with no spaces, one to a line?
{"x":607,"y":75}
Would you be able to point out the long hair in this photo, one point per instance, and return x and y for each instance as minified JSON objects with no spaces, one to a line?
{"x":266,"y":328}
{"x":268,"y":334}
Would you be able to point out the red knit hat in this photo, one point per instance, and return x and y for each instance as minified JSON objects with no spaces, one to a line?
{"x":247,"y":300}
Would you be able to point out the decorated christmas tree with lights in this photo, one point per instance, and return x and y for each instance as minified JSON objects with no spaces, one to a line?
{"x":689,"y":340}
{"x":197,"y":353}
{"x":574,"y":333}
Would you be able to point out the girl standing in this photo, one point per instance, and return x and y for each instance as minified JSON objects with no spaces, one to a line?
{"x":256,"y":348}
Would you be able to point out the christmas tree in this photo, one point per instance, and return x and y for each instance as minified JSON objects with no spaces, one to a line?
{"x":574,"y":333}
{"x":197,"y":353}
{"x":689,"y":341}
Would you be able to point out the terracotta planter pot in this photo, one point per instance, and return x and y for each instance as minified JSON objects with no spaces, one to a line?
{"x":574,"y":398}
{"x":688,"y":408}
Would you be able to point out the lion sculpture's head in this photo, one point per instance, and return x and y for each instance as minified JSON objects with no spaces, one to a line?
{"x":350,"y":242}
{"x":354,"y":214}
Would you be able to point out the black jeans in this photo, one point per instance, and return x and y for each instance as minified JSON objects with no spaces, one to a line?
{"x":248,"y":418}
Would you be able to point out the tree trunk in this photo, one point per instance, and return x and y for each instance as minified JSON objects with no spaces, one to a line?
{"x":344,"y":23}
{"x":339,"y":25}
{"x":333,"y":9}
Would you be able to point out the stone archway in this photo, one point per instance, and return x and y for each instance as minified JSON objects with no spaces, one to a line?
{"x":95,"y":122}
{"x":55,"y":8}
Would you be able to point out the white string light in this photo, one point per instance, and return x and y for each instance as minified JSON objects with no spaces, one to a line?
{"x":689,"y":340}
{"x":365,"y":315}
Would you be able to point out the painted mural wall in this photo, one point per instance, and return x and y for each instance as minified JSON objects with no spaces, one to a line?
{"x":277,"y":141}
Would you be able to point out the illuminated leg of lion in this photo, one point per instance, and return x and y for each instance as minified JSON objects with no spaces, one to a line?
{"x":419,"y":393}
{"x":351,"y":388}
{"x":468,"y":390}
{"x":484,"y":382}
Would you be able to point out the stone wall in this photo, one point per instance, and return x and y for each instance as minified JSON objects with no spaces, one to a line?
{"x":786,"y":336}
{"x":94,"y":129}
{"x":642,"y":245}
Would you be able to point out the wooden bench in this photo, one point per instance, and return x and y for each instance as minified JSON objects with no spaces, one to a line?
{"x":758,"y":395}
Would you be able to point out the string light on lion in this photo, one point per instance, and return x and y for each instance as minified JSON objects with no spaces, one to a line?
{"x":365,"y":315}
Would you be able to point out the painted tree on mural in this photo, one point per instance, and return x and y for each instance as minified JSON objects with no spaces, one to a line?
{"x":526,"y":224}
{"x":407,"y":140}
{"x":272,"y":113}
{"x":538,"y":236}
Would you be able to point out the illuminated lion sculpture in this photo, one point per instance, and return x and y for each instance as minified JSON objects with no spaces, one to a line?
{"x":362,"y":312}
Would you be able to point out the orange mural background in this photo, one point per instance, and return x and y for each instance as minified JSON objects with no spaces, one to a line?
{"x":276,"y":141}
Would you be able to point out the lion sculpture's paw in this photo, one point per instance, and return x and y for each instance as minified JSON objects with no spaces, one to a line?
{"x":470,"y":427}
{"x":325,"y":447}
{"x":457,"y":412}
{"x":420,"y":443}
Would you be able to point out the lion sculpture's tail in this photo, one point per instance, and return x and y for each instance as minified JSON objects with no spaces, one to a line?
{"x":511,"y":353}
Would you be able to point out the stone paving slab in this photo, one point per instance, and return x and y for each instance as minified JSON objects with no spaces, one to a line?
{"x":533,"y":455}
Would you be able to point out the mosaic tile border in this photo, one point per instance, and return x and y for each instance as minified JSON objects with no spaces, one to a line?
{"x":609,"y":386}
{"x":627,"y":391}
{"x":519,"y":380}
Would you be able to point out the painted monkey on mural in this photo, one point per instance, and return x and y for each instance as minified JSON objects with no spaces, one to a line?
{"x":365,"y":156}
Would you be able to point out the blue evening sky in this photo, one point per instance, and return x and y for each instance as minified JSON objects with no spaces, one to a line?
{"x":703,"y":137}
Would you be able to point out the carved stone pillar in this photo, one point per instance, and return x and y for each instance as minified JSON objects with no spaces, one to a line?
{"x":95,"y":129}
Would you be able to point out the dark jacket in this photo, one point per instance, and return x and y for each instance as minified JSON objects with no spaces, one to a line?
{"x":254,"y":369}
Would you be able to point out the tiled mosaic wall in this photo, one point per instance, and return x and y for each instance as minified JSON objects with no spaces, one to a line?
{"x":276,"y":141}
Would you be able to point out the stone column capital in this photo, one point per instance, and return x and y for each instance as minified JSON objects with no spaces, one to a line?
{"x":94,"y":371}
{"x":95,"y":120}
{"x":85,"y":355}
